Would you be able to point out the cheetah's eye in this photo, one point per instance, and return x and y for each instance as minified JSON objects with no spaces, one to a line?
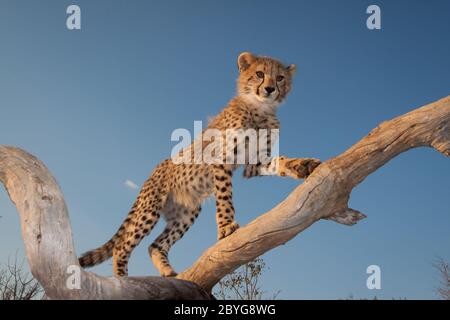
{"x":280,"y":78}
{"x":260,"y":74}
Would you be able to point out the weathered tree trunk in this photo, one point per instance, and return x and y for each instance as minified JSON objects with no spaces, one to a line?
{"x":50,"y":250}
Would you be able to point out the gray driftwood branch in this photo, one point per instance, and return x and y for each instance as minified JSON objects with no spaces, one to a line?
{"x":48,"y":239}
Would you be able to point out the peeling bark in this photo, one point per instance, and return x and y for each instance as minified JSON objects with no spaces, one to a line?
{"x":48,"y":239}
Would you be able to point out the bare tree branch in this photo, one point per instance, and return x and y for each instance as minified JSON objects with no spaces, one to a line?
{"x":324,"y":195}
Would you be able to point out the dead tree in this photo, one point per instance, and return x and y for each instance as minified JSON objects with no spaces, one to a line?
{"x":244,"y":283}
{"x":16,"y":283}
{"x":48,"y":239}
{"x":443,"y":268}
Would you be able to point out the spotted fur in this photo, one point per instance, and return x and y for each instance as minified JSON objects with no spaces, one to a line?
{"x":177,"y":190}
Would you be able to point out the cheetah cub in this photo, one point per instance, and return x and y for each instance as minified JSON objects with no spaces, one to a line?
{"x":176,"y":190}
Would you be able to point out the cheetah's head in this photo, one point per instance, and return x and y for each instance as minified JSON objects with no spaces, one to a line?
{"x":263,"y":80}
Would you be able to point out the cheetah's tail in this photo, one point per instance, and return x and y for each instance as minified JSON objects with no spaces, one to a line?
{"x":96,"y":256}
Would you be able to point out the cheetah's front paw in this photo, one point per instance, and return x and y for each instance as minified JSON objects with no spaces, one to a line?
{"x":226,"y":230}
{"x":301,"y":168}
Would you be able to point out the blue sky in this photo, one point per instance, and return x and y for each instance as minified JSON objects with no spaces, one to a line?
{"x":98,"y":106}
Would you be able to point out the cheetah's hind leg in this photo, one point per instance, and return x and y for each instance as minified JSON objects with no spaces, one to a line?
{"x":179,"y":219}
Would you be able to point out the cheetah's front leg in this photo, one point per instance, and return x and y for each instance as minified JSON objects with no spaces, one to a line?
{"x":224,"y":202}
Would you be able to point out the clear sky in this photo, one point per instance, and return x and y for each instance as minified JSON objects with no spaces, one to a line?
{"x":98,"y":106}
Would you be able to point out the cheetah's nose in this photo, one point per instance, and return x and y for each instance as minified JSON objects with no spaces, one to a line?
{"x":269,"y":90}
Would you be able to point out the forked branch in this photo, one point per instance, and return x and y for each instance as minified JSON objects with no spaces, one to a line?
{"x":48,"y":239}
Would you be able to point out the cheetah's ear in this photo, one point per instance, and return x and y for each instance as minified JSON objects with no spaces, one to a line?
{"x":292,"y":68}
{"x":245,"y":59}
